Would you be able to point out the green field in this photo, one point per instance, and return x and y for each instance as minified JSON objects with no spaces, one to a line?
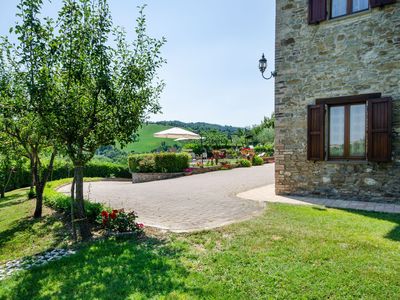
{"x":146,"y":141}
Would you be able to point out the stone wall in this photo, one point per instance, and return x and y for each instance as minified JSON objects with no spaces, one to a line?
{"x":146,"y":177}
{"x":356,"y":54}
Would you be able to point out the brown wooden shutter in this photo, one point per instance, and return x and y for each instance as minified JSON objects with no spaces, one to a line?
{"x":316,"y":132}
{"x":376,"y":3}
{"x":379,"y":129}
{"x":316,"y":11}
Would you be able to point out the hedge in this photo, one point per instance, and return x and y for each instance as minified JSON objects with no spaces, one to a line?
{"x":158,"y":162}
{"x":62,"y":202}
{"x":63,"y":169}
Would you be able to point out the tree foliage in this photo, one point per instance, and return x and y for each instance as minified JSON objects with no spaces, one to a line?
{"x":77,"y":85}
{"x":11,"y":160}
{"x":25,"y":78}
{"x":215,"y":139}
{"x":264,"y":133}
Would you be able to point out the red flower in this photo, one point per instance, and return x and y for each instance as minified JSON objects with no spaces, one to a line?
{"x":104,"y":221}
{"x":113,"y":215}
{"x":140,"y":225}
{"x":104,"y":213}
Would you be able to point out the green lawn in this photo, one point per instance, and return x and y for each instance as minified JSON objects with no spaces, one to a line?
{"x":20,"y":234}
{"x":146,"y":141}
{"x":290,"y":252}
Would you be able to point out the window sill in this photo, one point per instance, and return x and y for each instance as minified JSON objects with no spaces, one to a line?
{"x":362,"y":13}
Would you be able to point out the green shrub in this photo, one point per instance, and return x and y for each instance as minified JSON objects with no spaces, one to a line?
{"x":257,"y":161}
{"x":62,"y":202}
{"x":268,"y":149}
{"x":195,"y":147}
{"x":106,"y":170}
{"x":142,"y":163}
{"x":64,"y":169}
{"x":244,"y":163}
{"x":171,"y":162}
{"x":231,"y":153}
{"x":159,"y":162}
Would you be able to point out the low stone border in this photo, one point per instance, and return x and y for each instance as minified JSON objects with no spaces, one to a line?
{"x":26,"y":263}
{"x":146,"y":177}
{"x":268,"y":160}
{"x":205,"y":170}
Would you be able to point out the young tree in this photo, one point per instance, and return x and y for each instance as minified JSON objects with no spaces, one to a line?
{"x":25,"y":77}
{"x":9,"y":161}
{"x":104,"y":93}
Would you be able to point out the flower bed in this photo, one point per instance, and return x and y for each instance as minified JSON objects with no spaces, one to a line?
{"x":120,"y":221}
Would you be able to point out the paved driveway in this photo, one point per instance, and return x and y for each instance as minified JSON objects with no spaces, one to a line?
{"x":187,"y":203}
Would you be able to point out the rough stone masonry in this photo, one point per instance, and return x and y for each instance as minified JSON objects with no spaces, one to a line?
{"x":355,"y":54}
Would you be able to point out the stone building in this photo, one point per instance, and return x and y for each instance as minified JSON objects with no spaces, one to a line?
{"x":337,"y":99}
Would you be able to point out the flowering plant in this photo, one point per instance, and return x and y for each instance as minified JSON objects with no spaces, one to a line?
{"x":119,"y":221}
{"x":188,"y":170}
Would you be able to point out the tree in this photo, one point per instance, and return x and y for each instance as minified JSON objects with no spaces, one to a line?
{"x":195,"y":147}
{"x":103,"y":93}
{"x":265,"y":136}
{"x":24,"y":77}
{"x":238,"y":140}
{"x":264,"y":133}
{"x":215,"y":139}
{"x":10,"y":160}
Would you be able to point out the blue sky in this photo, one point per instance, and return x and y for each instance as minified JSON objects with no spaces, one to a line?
{"x":212,"y":51}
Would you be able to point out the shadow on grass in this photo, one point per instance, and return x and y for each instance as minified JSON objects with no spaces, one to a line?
{"x":12,"y":200}
{"x":109,"y":269}
{"x":394,"y":234}
{"x":27,"y":225}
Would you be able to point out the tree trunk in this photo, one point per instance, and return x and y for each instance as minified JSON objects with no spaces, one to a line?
{"x":38,"y":191}
{"x":74,"y":236}
{"x":32,"y":174}
{"x":3,"y":191}
{"x":84,"y":228}
{"x":40,"y":183}
{"x":39,"y":201}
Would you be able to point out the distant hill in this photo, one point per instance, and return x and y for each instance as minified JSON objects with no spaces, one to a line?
{"x":146,"y":142}
{"x":200,"y":126}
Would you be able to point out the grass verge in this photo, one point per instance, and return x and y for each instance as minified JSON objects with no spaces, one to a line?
{"x":20,"y":234}
{"x":289,"y":252}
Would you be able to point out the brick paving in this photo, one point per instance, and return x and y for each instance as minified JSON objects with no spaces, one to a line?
{"x":187,"y":203}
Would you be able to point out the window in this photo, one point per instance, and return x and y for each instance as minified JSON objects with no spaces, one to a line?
{"x":357,"y":128}
{"x":347,"y":130}
{"x":346,"y":7}
{"x":318,"y":9}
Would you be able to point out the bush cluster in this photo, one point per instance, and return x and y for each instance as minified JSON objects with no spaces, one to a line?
{"x":158,"y":162}
{"x":62,"y":202}
{"x":120,"y":221}
{"x":244,"y":163}
{"x":257,"y":161}
{"x":267,"y":148}
{"x":64,"y":169}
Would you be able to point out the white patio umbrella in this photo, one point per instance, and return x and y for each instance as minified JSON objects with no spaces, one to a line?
{"x":177,"y":133}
